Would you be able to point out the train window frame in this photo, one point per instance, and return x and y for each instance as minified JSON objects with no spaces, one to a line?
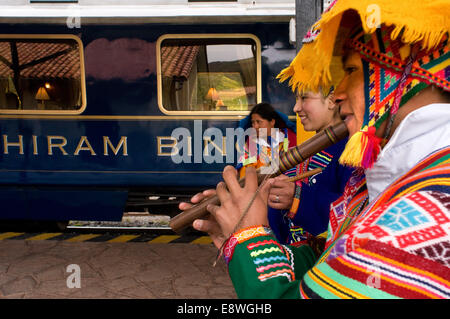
{"x":207,"y":36}
{"x":83,"y":105}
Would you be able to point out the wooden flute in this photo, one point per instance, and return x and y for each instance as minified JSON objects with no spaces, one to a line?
{"x":305,"y":175}
{"x":288,"y":160}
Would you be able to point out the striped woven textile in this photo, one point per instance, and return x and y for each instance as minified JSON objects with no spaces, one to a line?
{"x":430,"y":174}
{"x":377,"y":270}
{"x":346,"y":208}
{"x":398,"y":247}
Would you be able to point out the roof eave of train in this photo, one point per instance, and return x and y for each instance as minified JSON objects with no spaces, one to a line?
{"x":223,"y":10}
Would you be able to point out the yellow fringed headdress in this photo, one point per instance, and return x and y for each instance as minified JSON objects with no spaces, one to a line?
{"x":389,"y":32}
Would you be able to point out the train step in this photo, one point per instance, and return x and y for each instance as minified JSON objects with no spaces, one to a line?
{"x":130,"y":220}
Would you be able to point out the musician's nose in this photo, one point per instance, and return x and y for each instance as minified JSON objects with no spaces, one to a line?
{"x":340,"y":94}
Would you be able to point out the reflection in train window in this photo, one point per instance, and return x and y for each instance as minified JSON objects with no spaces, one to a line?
{"x":209,"y":74}
{"x":39,"y":74}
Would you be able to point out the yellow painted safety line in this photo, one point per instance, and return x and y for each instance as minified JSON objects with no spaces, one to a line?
{"x":123,"y":238}
{"x":82,"y":237}
{"x":164,"y":239}
{"x":203,"y":240}
{"x":9,"y":235}
{"x":44,"y":236}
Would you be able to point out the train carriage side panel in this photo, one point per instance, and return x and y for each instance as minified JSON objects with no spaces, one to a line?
{"x":82,"y":164}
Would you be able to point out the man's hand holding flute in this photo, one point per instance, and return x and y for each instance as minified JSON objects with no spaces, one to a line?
{"x":225,"y":219}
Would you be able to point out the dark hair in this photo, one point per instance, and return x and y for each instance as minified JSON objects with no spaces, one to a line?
{"x":267,"y":112}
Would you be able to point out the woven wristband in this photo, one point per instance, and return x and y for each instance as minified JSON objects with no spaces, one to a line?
{"x":241,"y":236}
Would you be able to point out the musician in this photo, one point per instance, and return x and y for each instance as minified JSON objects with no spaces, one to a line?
{"x":295,"y":214}
{"x":389,"y":233}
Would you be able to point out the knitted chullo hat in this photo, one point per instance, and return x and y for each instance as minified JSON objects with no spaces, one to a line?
{"x":404,"y":52}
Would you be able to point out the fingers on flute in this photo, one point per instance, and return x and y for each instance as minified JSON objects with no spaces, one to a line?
{"x":184,"y":206}
{"x":230,"y":178}
{"x":281,"y":183}
{"x":281,"y":177}
{"x":212,"y":209}
{"x":220,"y":216}
{"x":222,"y":192}
{"x":209,"y":192}
{"x":197,"y":198}
{"x":204,"y":225}
{"x":251,"y":179}
{"x":212,"y":228}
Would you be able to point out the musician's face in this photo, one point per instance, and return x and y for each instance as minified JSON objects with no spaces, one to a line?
{"x":349,"y":94}
{"x":262,"y":125}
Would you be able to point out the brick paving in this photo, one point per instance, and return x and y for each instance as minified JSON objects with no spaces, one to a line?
{"x":39,"y":269}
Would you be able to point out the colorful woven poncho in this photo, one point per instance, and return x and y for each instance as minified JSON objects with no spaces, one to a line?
{"x":404,"y":48}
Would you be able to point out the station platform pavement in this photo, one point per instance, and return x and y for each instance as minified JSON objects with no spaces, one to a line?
{"x":54,"y":269}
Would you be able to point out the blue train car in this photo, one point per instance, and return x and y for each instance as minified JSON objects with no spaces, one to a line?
{"x":91,"y":94}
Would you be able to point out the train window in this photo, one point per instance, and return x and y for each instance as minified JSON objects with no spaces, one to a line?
{"x":41,"y":74}
{"x":208,"y":74}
